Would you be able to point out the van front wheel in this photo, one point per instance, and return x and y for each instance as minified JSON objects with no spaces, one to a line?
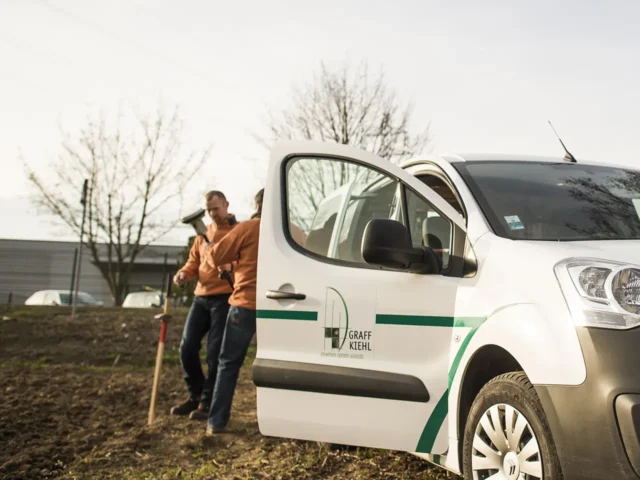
{"x":507,"y":436}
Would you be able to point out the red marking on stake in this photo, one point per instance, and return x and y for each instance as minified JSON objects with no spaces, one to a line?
{"x":163,"y":331}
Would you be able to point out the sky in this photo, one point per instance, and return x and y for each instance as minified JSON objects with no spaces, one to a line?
{"x":487,"y":76}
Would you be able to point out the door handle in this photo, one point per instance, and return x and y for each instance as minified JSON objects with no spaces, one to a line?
{"x":278,"y":295}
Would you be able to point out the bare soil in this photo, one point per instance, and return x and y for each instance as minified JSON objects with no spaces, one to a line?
{"x":74,"y":400}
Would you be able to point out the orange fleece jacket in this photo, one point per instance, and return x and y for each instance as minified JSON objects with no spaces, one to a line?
{"x":240,"y":247}
{"x":198,"y":266}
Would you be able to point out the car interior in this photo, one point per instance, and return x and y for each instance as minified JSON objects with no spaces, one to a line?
{"x":439,"y":186}
{"x":430,"y":229}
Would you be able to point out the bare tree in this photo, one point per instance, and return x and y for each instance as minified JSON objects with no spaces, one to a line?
{"x":133,"y":171}
{"x":350,"y":107}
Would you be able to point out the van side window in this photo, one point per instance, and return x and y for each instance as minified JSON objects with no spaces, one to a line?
{"x":323,"y":225}
{"x":428,"y":228}
{"x":439,"y":186}
{"x":331,"y":201}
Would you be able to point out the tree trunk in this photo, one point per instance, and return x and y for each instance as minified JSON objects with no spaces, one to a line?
{"x":118,"y":293}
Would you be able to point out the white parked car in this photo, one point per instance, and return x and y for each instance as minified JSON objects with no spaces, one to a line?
{"x":61,"y":297}
{"x":479,"y":311}
{"x":142,"y":300}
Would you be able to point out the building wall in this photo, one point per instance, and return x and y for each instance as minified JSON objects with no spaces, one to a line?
{"x":27,"y":266}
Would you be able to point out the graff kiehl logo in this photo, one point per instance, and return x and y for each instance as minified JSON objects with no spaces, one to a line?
{"x":336,"y":326}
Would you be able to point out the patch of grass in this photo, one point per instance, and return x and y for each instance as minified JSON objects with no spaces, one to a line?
{"x":173,"y":358}
{"x":41,"y":362}
{"x":19,"y":311}
{"x":366,"y":453}
{"x":251,"y":352}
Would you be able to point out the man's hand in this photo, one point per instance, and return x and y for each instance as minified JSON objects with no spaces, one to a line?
{"x":179,"y":279}
{"x":225,"y":268}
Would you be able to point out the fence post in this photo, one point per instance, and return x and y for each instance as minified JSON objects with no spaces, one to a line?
{"x":164,"y":274}
{"x":73,"y":273}
{"x":74,"y":294}
{"x":9,"y":301}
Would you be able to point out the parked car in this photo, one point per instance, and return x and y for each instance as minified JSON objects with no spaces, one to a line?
{"x":61,"y":297}
{"x":143,"y":300}
{"x":479,"y":311}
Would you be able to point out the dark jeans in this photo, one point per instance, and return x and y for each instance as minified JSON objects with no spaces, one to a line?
{"x":207,"y":314}
{"x":241,"y":325}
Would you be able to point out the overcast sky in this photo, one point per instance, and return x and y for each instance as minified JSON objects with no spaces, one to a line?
{"x":487,"y":75}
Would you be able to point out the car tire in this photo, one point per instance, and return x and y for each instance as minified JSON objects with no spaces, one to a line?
{"x":511,"y":401}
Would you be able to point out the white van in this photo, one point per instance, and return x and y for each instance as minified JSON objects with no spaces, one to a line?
{"x":479,"y":311}
{"x":144,"y":299}
{"x":62,"y":297}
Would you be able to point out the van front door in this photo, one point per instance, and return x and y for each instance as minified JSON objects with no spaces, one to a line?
{"x":348,"y":353}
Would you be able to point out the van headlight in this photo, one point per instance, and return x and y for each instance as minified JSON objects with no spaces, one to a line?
{"x":599,"y":293}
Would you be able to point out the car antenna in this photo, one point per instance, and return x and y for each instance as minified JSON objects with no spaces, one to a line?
{"x":567,"y":155}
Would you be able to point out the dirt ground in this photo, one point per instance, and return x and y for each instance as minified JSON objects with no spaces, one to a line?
{"x":74,"y":399}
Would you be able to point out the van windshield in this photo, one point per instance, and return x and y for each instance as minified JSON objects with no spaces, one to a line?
{"x":556,"y":201}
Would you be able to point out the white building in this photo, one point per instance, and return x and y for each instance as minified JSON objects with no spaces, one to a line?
{"x":30,"y":265}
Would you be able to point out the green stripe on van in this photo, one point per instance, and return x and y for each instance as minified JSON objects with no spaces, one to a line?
{"x":415,"y":320}
{"x":287,"y":315}
{"x":436,"y":419}
{"x":431,"y":429}
{"x":434,"y":424}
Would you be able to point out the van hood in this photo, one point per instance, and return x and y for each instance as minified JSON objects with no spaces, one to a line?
{"x":627,"y":251}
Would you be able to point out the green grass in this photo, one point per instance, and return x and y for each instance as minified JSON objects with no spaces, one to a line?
{"x":251,"y":352}
{"x":18,"y":311}
{"x":173,"y":358}
{"x":41,"y":362}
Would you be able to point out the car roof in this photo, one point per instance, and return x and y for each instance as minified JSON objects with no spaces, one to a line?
{"x":60,"y":291}
{"x":505,"y":157}
{"x":500,"y":157}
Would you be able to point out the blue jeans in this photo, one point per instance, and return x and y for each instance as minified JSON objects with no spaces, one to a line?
{"x":207,"y":314}
{"x":241,"y":325}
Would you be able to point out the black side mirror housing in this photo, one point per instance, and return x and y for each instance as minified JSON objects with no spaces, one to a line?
{"x":387,"y":243}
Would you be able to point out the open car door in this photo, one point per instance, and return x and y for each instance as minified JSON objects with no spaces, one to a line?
{"x":348,"y":352}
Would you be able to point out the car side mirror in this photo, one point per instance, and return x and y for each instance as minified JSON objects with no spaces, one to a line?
{"x":387,"y":243}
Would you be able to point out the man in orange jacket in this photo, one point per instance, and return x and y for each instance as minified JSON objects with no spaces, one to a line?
{"x":208,"y":312}
{"x":240,"y":247}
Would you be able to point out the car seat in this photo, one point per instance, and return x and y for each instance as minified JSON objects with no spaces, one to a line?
{"x":436,"y":234}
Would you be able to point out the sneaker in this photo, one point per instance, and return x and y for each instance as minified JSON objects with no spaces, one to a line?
{"x":201,"y":413}
{"x":211,"y":431}
{"x":185,"y":408}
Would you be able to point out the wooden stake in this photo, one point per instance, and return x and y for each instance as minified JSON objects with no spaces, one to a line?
{"x":164,"y":318}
